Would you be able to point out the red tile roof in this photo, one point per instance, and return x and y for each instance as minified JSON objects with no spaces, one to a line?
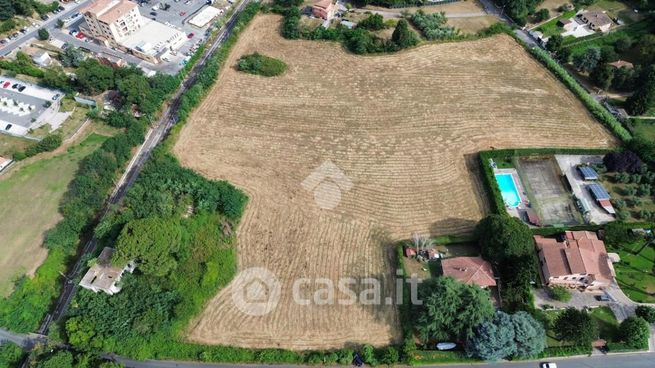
{"x":469,"y":270}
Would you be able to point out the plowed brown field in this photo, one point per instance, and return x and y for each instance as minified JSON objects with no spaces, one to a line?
{"x":404,"y":128}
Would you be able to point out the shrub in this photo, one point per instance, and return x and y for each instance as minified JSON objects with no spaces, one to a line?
{"x":261,"y":65}
{"x":373,"y":22}
{"x":625,"y":161}
{"x":635,"y":331}
{"x":542,"y":15}
{"x":646,"y":312}
{"x":433,"y":26}
{"x":560,"y":293}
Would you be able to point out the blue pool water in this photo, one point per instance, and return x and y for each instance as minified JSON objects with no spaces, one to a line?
{"x":508,"y":190}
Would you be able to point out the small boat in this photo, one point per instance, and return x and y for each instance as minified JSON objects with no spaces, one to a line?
{"x":446,"y":345}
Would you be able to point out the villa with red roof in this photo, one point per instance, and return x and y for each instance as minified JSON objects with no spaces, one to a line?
{"x":580,"y":260}
{"x":469,"y":270}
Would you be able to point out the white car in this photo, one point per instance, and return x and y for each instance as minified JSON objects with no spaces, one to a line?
{"x":548,"y":365}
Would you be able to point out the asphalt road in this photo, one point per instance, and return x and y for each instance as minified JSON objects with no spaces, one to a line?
{"x":645,"y":360}
{"x":49,"y":24}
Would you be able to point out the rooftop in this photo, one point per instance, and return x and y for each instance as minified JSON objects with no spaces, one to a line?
{"x":469,"y":270}
{"x":324,"y":4}
{"x":581,"y":252}
{"x":622,"y":63}
{"x":598,"y":191}
{"x":598,"y":18}
{"x":103,"y":276}
{"x":588,"y":173}
{"x":109,"y":11}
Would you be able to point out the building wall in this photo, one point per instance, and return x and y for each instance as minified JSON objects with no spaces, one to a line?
{"x":117,"y":30}
{"x":323,"y":13}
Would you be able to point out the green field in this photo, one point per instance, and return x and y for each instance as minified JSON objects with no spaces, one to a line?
{"x":635,"y":272}
{"x":10,"y":144}
{"x":604,"y":317}
{"x":30,"y":200}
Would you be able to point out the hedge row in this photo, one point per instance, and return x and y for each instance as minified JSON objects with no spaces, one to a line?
{"x":564,"y":351}
{"x":24,"y":309}
{"x":595,"y":108}
{"x":17,"y":68}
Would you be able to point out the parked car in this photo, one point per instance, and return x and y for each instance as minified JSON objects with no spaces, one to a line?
{"x":45,"y":17}
{"x":190,"y":35}
{"x":55,"y":97}
{"x":602,"y":298}
{"x":182,"y":14}
{"x":6,"y":85}
{"x":153,"y":13}
{"x":14,"y":86}
{"x":548,"y":365}
{"x":8,"y":126}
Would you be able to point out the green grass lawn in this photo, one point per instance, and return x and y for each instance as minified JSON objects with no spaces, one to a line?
{"x":635,"y":273}
{"x":645,"y":128}
{"x":551,"y":28}
{"x":30,"y":200}
{"x":10,"y":144}
{"x":604,"y":317}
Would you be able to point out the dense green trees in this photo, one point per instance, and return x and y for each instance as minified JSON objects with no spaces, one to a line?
{"x":516,"y":335}
{"x":43,"y":34}
{"x":507,"y":243}
{"x":58,"y":360}
{"x":644,"y":97}
{"x":402,"y":36}
{"x":646,"y":312}
{"x":261,"y":65}
{"x":519,"y":9}
{"x":374,"y":22}
{"x":493,"y":340}
{"x":152,"y":243}
{"x":433,"y":26}
{"x":634,"y":332}
{"x":588,"y":60}
{"x":71,"y":57}
{"x":93,"y":77}
{"x":450,"y":310}
{"x":504,"y":237}
{"x":576,"y":326}
{"x":47,"y":144}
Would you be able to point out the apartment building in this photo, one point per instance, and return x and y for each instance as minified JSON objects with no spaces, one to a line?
{"x":111,"y":21}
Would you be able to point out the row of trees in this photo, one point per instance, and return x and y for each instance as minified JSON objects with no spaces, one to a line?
{"x":11,"y":8}
{"x":433,"y":26}
{"x":507,"y":244}
{"x":359,"y":40}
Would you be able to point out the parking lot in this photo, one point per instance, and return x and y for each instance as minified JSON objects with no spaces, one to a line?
{"x":177,"y":14}
{"x":21,"y":110}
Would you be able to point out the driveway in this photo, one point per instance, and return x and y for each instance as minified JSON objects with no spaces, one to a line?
{"x":568,"y":164}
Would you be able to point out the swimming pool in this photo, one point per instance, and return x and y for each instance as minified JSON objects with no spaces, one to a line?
{"x":508,"y":190}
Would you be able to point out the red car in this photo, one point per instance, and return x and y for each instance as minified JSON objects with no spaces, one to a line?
{"x":190,"y":35}
{"x":182,"y":14}
{"x":79,"y":35}
{"x":6,"y":85}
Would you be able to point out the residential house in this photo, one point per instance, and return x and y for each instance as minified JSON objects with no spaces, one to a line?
{"x":596,"y":20}
{"x":42,"y":59}
{"x":323,"y":9}
{"x":577,"y":260}
{"x":103,"y":276}
{"x":469,"y":270}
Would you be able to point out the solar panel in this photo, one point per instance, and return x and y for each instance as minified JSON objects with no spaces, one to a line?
{"x":588,"y":172}
{"x":598,"y":191}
